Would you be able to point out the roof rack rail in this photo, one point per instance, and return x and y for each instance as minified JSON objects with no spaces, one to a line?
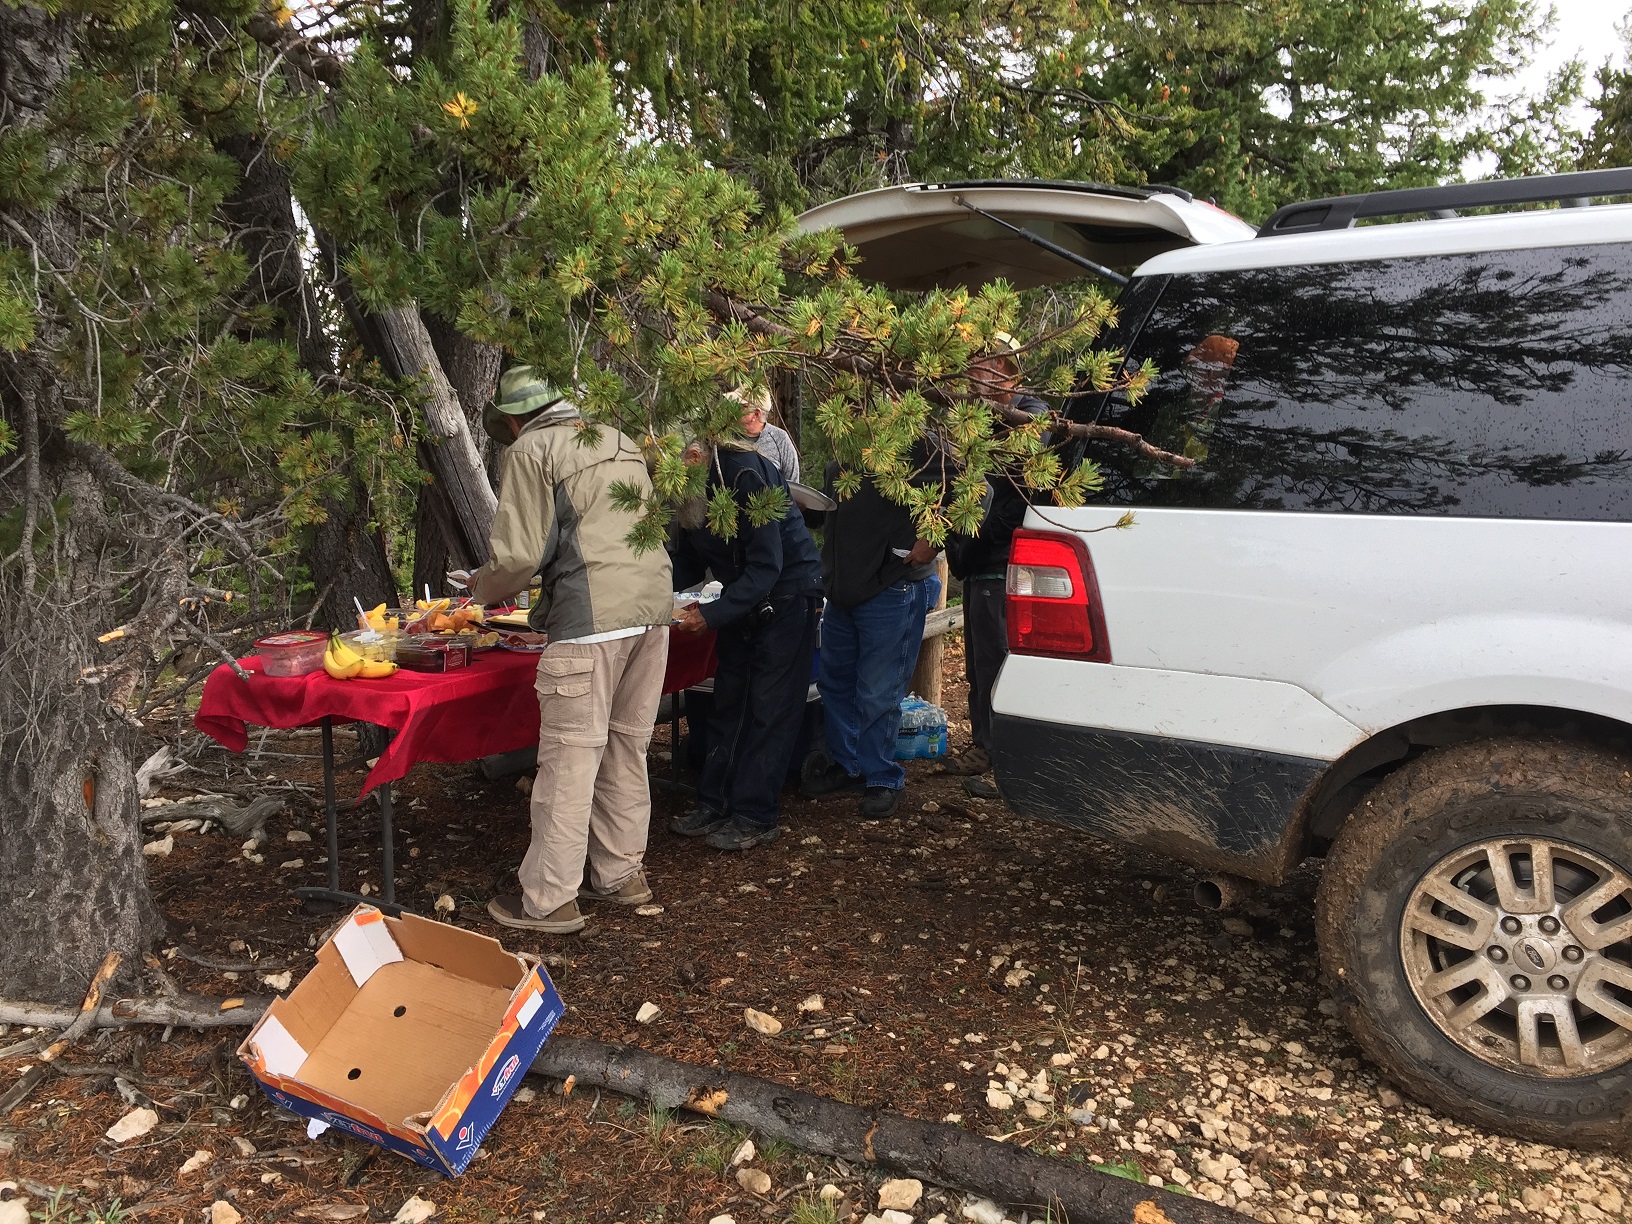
{"x":1341,"y":212}
{"x":1131,"y":193}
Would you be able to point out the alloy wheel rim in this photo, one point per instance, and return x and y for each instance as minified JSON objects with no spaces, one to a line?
{"x":1520,"y":951}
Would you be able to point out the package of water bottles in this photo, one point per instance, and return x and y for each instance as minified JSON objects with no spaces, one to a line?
{"x":923,"y":730}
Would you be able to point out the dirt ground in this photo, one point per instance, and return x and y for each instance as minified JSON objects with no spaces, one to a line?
{"x":1018,"y":979}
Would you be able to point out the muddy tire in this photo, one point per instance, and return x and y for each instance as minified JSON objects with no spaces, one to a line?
{"x":1475,"y":922}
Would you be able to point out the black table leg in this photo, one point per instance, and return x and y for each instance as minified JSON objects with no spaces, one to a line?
{"x":330,"y":898}
{"x":329,"y":812}
{"x":388,"y":855}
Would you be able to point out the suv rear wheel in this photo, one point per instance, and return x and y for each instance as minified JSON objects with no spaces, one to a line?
{"x":1475,"y":916}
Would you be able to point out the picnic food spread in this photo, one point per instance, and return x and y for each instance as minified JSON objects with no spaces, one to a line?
{"x":360,"y":657}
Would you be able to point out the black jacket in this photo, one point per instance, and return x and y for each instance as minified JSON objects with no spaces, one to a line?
{"x":987,"y":551}
{"x":774,"y":560}
{"x":857,"y":557}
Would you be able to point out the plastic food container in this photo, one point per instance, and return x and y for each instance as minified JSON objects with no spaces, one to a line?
{"x":293,"y":653}
{"x":375,"y":645}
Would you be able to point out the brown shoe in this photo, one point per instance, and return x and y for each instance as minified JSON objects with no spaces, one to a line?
{"x":511,"y":911}
{"x":972,"y":761}
{"x":633,"y":891}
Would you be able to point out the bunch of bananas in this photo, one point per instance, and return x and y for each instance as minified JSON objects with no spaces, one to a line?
{"x":344,"y":663}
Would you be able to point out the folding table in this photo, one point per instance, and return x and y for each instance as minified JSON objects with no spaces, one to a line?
{"x":486,"y":708}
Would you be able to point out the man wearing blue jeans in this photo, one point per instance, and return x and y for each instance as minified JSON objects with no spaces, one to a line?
{"x":880,"y":582}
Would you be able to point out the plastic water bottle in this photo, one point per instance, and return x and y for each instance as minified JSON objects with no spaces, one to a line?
{"x":907,"y":738}
{"x":936,"y":732}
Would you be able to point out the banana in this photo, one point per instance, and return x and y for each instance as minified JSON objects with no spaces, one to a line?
{"x":341,"y":671}
{"x":375,"y":668}
{"x":343,"y":654}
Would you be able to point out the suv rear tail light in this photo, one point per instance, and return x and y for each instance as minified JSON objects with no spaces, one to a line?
{"x":1053,"y":599}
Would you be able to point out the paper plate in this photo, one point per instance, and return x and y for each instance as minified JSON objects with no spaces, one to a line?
{"x":808,"y":498}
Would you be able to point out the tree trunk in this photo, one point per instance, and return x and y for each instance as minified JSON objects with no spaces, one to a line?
{"x":71,"y":867}
{"x":402,"y":345}
{"x":472,"y":371}
{"x":345,"y":553}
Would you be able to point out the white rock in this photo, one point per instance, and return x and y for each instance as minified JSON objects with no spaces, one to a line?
{"x":900,"y":1194}
{"x":744,"y":1153}
{"x":445,"y":904}
{"x":1237,"y":926}
{"x":1036,"y":1110}
{"x":196,"y":1161}
{"x":244,"y":1146}
{"x":1611,"y":1202}
{"x":830,"y":1193}
{"x":761,"y":1023}
{"x":160,"y":848}
{"x":981,"y":1211}
{"x":719,"y":1219}
{"x":523,"y":1096}
{"x":297,"y":835}
{"x":223,"y":1212}
{"x":15,"y":1211}
{"x":998,"y":1099}
{"x":415,"y":1211}
{"x":291,"y":864}
{"x":133,"y":1125}
{"x":649,"y":910}
{"x":1389,"y":1099}
{"x":896,"y":1217}
{"x":278,"y":981}
{"x":1263,"y":1087}
{"x":1083,"y":1117}
{"x":755,"y":1181}
{"x":648,"y":1012}
{"x":813,"y":1003}
{"x":1062,"y":1060}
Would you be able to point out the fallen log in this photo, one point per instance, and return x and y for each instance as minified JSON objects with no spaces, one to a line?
{"x":930,"y":1151}
{"x":76,"y":1028}
{"x":182,"y":1011}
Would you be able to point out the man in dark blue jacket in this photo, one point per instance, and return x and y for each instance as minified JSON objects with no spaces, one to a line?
{"x":765,"y":621}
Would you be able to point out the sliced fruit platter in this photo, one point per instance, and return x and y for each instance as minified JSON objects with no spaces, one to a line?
{"x":364,"y":655}
{"x":447,"y":618}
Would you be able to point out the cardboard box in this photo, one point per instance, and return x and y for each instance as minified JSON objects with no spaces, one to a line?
{"x":410,"y":1034}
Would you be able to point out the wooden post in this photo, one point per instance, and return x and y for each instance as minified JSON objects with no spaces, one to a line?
{"x":926,"y":676}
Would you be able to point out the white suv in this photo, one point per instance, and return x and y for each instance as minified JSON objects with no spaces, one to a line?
{"x":1385,"y":618}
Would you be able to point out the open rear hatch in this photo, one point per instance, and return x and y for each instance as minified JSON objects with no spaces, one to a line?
{"x":927,"y":235}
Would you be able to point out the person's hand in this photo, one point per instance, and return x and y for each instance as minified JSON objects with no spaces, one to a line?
{"x":691,"y":620}
{"x":923,"y":552}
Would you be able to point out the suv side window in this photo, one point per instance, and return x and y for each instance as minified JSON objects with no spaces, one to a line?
{"x":1493,"y":384}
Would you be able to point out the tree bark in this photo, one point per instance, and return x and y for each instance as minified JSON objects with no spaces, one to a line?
{"x":932,"y":1151}
{"x":402,"y":345}
{"x":472,"y":371}
{"x":71,"y":867}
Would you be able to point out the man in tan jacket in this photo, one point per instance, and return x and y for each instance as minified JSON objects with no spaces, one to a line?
{"x":606,"y":611}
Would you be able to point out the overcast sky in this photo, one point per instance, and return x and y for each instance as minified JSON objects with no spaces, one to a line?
{"x":1585,"y":28}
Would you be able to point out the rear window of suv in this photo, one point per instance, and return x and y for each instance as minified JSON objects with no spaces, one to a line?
{"x":1491,"y":384}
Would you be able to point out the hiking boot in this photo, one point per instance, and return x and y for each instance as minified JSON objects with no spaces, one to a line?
{"x":879,"y":802}
{"x":735,"y":835}
{"x":699,"y":822}
{"x":972,"y":760}
{"x":633,"y":891}
{"x":828,"y":779}
{"x":511,"y":911}
{"x":979,"y":788}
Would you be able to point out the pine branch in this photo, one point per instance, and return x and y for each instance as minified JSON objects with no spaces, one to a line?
{"x":862,"y":367}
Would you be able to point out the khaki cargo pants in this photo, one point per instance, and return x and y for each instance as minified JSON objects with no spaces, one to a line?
{"x":596,"y":705}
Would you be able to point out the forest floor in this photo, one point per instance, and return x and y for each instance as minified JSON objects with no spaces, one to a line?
{"x":956,"y":949}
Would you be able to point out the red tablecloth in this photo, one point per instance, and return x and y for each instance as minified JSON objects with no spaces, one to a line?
{"x":476,"y":711}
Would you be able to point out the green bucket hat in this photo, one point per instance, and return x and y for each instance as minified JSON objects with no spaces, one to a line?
{"x":521,"y":393}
